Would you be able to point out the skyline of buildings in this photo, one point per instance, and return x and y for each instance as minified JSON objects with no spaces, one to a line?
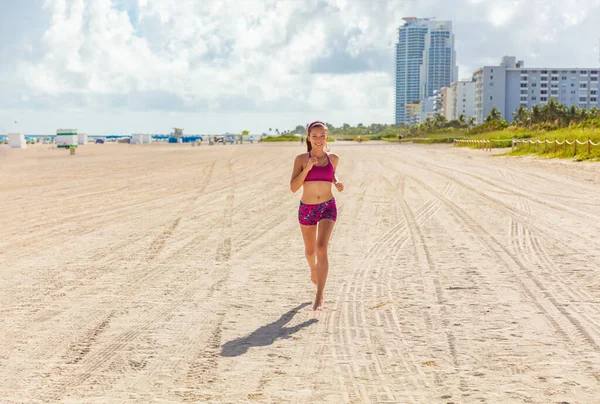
{"x":425,"y":62}
{"x":427,"y":80}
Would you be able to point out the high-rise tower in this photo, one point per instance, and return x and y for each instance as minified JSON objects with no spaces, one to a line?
{"x":425,"y":61}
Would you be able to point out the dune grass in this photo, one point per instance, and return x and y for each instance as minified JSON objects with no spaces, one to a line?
{"x":503,"y":138}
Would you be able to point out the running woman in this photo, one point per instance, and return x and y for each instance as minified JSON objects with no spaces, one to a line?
{"x":315,"y":173}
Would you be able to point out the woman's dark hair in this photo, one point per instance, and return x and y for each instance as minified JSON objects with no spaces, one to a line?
{"x":313,"y":125}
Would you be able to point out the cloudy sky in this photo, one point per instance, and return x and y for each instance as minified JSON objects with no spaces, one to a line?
{"x":121,"y":66}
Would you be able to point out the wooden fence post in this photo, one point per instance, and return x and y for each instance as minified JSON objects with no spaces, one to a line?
{"x":536,"y":144}
{"x":575,"y":146}
{"x":589,"y":145}
{"x":554,"y":145}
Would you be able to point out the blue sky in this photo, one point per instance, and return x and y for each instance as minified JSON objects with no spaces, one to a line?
{"x":214,"y":66}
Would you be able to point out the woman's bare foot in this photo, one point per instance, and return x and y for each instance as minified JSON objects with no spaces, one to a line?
{"x":313,"y":275}
{"x":318,"y":305}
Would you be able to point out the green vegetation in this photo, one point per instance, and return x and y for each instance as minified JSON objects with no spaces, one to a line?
{"x":550,"y":121}
{"x":346,"y":132}
{"x":282,"y":138}
{"x":288,"y":138}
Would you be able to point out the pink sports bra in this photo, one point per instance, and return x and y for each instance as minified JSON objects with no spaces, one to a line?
{"x":323,"y":173}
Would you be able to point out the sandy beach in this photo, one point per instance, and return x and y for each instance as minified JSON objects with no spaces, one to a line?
{"x":175,"y":274}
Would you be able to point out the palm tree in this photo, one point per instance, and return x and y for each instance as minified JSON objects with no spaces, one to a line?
{"x":574,"y":113}
{"x":462,"y":119}
{"x":440,"y":121}
{"x":494,"y":115}
{"x":471,"y":122}
{"x":551,"y":111}
{"x":536,"y":114}
{"x":521,"y":115}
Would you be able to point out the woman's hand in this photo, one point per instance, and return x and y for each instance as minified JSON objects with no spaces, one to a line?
{"x":312,"y":162}
{"x":339,"y":186}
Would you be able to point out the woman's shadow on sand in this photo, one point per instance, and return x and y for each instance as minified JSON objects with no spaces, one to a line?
{"x":267,"y":334}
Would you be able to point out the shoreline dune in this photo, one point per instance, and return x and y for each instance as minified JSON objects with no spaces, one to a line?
{"x":168,"y":273}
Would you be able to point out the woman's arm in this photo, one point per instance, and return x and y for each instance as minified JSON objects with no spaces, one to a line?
{"x":299,"y":173}
{"x":334,"y":160}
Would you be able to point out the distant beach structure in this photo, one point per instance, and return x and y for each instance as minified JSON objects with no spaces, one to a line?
{"x":66,"y":138}
{"x":17,"y":140}
{"x":141,"y":138}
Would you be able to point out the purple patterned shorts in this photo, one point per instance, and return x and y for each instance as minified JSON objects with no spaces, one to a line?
{"x":310,"y":215}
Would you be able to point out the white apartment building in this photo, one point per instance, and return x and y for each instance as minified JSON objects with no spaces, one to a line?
{"x":459,"y":99}
{"x":465,"y":99}
{"x":510,"y":85}
{"x":449,"y":102}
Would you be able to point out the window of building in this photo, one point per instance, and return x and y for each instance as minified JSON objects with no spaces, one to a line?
{"x":582,"y":99}
{"x":594,"y":78}
{"x":523,"y":85}
{"x":593,"y":99}
{"x":544,"y":85}
{"x":544,"y":71}
{"x":583,"y":72}
{"x":523,"y":91}
{"x":533,"y":85}
{"x":544,"y":92}
{"x":543,"y":98}
{"x":554,"y":71}
{"x":594,"y":71}
{"x":523,"y":71}
{"x":490,"y":97}
{"x":593,"y":92}
{"x":532,"y":98}
{"x":544,"y":78}
{"x":563,"y":78}
{"x":573,"y":91}
{"x":582,"y":85}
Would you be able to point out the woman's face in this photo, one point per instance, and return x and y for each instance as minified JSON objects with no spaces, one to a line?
{"x":318,"y":137}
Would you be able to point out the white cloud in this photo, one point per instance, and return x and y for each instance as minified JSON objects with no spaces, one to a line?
{"x":501,"y":14}
{"x":265,"y":57}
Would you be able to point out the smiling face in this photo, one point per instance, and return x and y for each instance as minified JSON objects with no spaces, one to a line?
{"x":318,"y":137}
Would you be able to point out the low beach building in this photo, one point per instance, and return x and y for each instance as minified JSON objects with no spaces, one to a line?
{"x":66,"y":137}
{"x":141,"y":138}
{"x":17,"y":140}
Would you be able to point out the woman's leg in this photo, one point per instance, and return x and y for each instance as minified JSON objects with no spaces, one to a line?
{"x":309,"y":234}
{"x":325,"y":227}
